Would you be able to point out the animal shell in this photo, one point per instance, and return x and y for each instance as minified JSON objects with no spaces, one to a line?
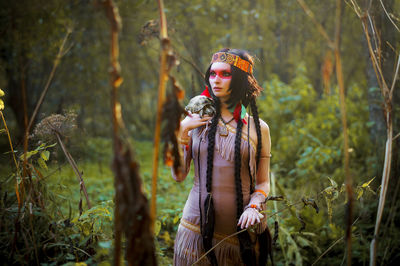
{"x":201,"y":105}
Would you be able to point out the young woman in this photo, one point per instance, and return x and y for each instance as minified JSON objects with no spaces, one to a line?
{"x":231,"y":156}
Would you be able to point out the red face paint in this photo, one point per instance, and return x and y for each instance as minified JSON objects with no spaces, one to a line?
{"x":220,"y":79}
{"x":221,"y":73}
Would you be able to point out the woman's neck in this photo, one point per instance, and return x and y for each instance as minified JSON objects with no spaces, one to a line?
{"x":225,"y":113}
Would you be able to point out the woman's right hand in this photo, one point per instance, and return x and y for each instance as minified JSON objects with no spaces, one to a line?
{"x":193,"y":121}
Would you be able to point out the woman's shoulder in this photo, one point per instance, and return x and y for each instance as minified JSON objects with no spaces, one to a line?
{"x":263,"y":125}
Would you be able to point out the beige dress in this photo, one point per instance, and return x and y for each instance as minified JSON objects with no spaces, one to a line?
{"x":188,"y":242}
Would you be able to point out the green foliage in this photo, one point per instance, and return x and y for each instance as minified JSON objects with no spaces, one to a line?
{"x":306,"y":131}
{"x":305,"y":232}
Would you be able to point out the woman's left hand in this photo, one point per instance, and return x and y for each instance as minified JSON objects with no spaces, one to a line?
{"x":249,"y":217}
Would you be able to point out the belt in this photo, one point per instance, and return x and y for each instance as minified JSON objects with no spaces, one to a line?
{"x":196,"y":229}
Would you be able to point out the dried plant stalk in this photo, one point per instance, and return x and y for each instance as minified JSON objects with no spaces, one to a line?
{"x":163,"y":78}
{"x":131,"y":209}
{"x":387,"y":94}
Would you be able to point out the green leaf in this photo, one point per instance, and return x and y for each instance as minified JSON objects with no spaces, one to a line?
{"x":176,"y":219}
{"x":1,"y":93}
{"x":70,"y":256}
{"x":42,"y":163}
{"x":303,"y":242}
{"x":28,"y":155}
{"x":1,"y":104}
{"x":359,"y":193}
{"x":45,"y":155}
{"x":105,"y":244}
{"x":157,"y":227}
{"x":366,"y":184}
{"x":334,"y":184}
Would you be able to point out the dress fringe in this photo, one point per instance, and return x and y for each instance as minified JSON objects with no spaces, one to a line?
{"x":189,"y":248}
{"x":225,"y":146}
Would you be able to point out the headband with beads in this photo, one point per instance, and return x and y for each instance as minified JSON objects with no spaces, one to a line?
{"x":233,"y":60}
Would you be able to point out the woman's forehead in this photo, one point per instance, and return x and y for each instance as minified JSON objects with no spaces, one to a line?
{"x":220,"y":66}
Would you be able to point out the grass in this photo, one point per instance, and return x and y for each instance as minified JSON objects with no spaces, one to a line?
{"x":99,"y":181}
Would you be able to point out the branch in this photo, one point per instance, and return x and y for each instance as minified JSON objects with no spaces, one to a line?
{"x":395,"y":137}
{"x":334,"y":244}
{"x":75,"y":168}
{"x":387,"y":14}
{"x":49,"y":80}
{"x":219,"y":243}
{"x":394,"y":79}
{"x":375,"y":62}
{"x":327,"y":250}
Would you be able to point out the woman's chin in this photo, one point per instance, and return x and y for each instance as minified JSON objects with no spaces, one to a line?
{"x":220,"y":94}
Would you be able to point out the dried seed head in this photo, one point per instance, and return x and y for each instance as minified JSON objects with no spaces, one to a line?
{"x":63,"y":124}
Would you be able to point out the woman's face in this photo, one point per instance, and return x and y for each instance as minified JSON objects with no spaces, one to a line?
{"x":220,"y":80}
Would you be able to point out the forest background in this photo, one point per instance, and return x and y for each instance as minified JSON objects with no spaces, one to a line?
{"x":296,"y":67}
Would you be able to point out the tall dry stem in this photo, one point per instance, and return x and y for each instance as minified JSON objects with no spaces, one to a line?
{"x":163,"y":78}
{"x":132,"y":218}
{"x":116,"y":80}
{"x":14,"y":159}
{"x":375,"y":52}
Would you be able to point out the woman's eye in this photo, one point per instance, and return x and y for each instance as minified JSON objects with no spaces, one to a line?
{"x":227,"y":74}
{"x":212,"y":73}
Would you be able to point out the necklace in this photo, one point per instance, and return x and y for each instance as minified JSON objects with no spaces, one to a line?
{"x":223,"y":131}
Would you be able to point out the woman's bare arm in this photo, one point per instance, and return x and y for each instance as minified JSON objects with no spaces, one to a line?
{"x":190,"y":122}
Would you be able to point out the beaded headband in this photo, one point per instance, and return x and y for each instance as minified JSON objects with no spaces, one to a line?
{"x":233,"y":60}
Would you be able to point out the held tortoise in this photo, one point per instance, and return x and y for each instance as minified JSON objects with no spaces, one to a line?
{"x":201,"y":105}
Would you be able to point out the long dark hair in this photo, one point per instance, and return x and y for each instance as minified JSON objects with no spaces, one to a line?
{"x":244,"y":88}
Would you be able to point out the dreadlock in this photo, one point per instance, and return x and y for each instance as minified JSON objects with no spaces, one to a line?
{"x":254,"y":111}
{"x":246,"y":247}
{"x":208,"y":226}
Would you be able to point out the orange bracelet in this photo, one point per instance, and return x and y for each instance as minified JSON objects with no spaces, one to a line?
{"x":261,"y":191}
{"x":253,"y":206}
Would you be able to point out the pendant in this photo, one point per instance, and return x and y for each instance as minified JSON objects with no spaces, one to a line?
{"x":223,"y":131}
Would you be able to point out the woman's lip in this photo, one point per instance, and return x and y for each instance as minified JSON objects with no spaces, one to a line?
{"x":217,"y":88}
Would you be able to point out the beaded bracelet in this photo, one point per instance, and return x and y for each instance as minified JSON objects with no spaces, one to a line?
{"x":261,"y":191}
{"x":253,"y":206}
{"x":184,"y":141}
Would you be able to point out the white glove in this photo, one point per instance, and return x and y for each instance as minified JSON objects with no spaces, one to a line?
{"x":249,"y":217}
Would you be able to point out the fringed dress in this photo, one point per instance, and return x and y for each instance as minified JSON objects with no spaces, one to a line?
{"x":188,"y":242}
